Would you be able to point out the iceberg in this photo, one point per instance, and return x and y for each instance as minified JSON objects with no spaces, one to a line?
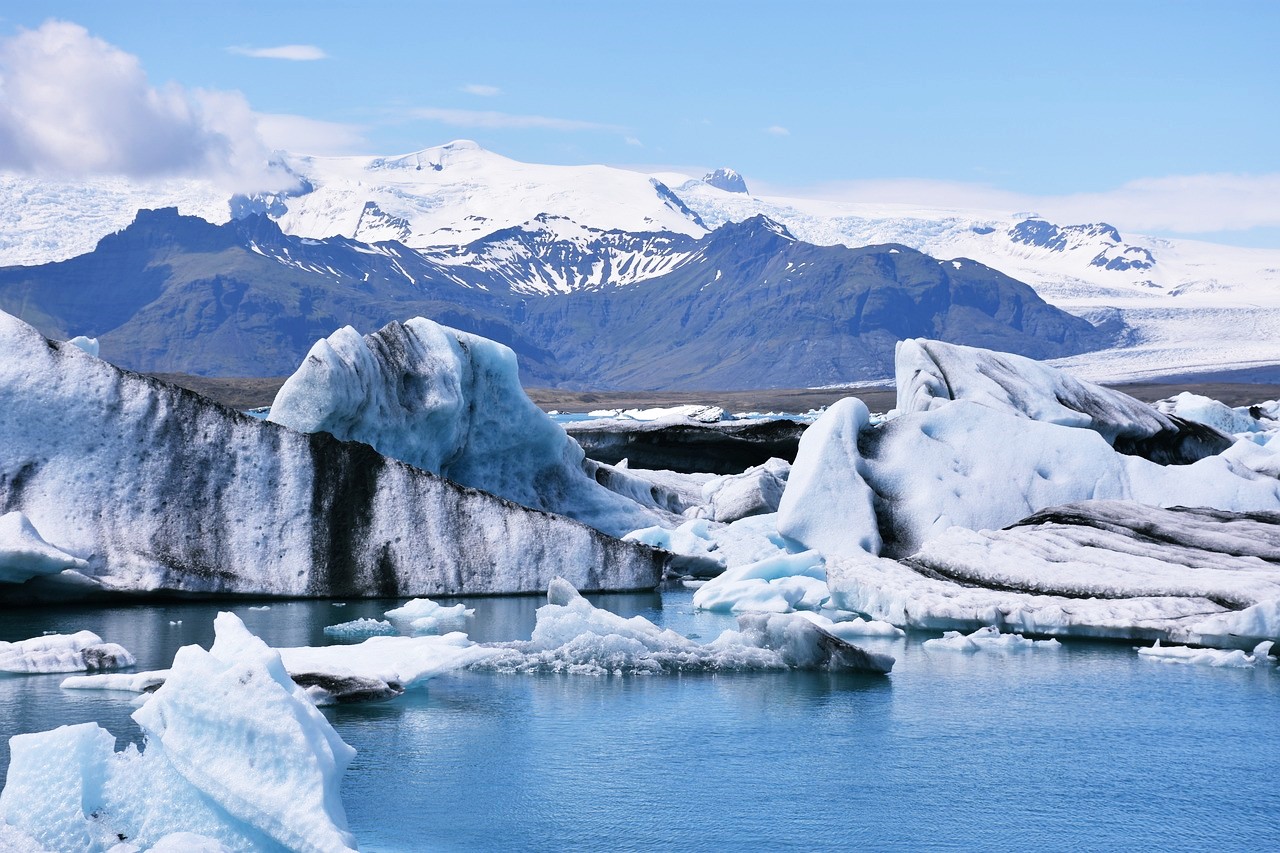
{"x":781,"y":583}
{"x":450,"y":403}
{"x":174,"y":492}
{"x":360,"y":629}
{"x":1206,"y":657}
{"x":929,"y":374}
{"x":234,"y":753}
{"x":572,"y":636}
{"x":423,"y":616}
{"x":987,"y":639}
{"x":756,"y":491}
{"x":83,"y":651}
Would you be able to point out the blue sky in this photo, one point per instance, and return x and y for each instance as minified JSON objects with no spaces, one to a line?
{"x":985,"y":103}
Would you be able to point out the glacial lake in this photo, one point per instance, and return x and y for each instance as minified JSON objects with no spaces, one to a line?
{"x":1086,"y":748}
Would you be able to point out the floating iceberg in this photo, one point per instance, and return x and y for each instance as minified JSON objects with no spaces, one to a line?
{"x":422,"y":616}
{"x":987,"y":639}
{"x":234,"y":753}
{"x":174,"y":492}
{"x":83,"y":651}
{"x":1206,"y":657}
{"x":451,"y":403}
{"x":572,"y":636}
{"x":359,"y":629}
{"x":779,"y":584}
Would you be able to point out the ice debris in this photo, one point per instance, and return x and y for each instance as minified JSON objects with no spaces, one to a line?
{"x":987,"y":639}
{"x":234,"y":753}
{"x":83,"y":651}
{"x":572,"y":636}
{"x":1207,"y":657}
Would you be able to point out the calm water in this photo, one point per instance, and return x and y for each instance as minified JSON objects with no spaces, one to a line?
{"x":1088,"y":748}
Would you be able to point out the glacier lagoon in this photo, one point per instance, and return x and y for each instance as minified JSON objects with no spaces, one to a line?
{"x":1085,"y":747}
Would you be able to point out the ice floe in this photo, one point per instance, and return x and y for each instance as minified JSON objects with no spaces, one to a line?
{"x":572,"y":636}
{"x":234,"y":753}
{"x":83,"y":651}
{"x":1207,"y":657}
{"x":987,"y":639}
{"x":423,"y":616}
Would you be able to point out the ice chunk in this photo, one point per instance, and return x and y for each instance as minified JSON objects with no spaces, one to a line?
{"x":82,"y":651}
{"x":572,"y":636}
{"x":423,"y":616}
{"x":359,"y":629}
{"x":24,"y":554}
{"x":89,"y":345}
{"x":1205,"y":657}
{"x":778,"y":584}
{"x":987,"y":639}
{"x":1258,"y":621}
{"x":1210,"y":412}
{"x":451,"y":403}
{"x":755,"y":491}
{"x":406,"y":662}
{"x":234,"y":753}
{"x":828,"y":504}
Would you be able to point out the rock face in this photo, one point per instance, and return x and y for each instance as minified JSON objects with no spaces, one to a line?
{"x":449,"y":403}
{"x":931,"y":373}
{"x":157,"y":488}
{"x":727,"y":180}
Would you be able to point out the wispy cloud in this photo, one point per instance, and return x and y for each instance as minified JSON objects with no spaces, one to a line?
{"x":73,"y":104}
{"x":493,"y":119}
{"x":481,"y":89}
{"x":310,"y":136}
{"x":292,"y":52}
{"x":631,"y":140}
{"x":777,"y":130}
{"x":1180,"y":204}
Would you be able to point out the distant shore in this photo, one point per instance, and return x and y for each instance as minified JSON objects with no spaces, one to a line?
{"x":251,"y":393}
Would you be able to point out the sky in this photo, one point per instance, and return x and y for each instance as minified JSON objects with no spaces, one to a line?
{"x":1159,"y":117}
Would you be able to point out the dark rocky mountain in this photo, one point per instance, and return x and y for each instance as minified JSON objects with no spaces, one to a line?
{"x":747,"y":306}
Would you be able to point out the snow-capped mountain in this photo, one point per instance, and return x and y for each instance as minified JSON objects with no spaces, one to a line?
{"x":543,"y":230}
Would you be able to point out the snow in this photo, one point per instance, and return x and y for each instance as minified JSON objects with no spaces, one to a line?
{"x":1206,"y":657}
{"x":572,"y":636}
{"x":156,"y":488}
{"x":451,"y":403}
{"x":24,"y":553}
{"x":79,"y":652}
{"x":988,"y":639}
{"x":234,"y":752}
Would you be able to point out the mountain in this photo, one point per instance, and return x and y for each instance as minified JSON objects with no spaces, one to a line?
{"x":533,"y":229}
{"x":746,"y":306}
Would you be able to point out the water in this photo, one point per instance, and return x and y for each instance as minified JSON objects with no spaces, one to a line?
{"x":1087,"y":748}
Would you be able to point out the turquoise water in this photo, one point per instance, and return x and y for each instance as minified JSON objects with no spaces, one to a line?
{"x":1087,"y":748}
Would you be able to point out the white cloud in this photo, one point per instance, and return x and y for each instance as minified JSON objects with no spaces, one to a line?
{"x":631,"y":140}
{"x":72,"y":104}
{"x":310,"y":136}
{"x":490,"y":118}
{"x":777,"y":130}
{"x":481,"y":89}
{"x":292,"y":52}
{"x":1180,"y":204}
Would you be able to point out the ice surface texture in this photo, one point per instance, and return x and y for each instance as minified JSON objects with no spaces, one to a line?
{"x":160,"y":489}
{"x":450,"y":403}
{"x":82,"y":651}
{"x":234,"y":752}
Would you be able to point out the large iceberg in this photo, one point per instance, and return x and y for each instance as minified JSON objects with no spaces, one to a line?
{"x":157,"y":488}
{"x":234,"y":753}
{"x":451,"y":403}
{"x":931,"y":373}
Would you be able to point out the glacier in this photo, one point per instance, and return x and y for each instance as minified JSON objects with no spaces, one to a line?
{"x":157,"y":488}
